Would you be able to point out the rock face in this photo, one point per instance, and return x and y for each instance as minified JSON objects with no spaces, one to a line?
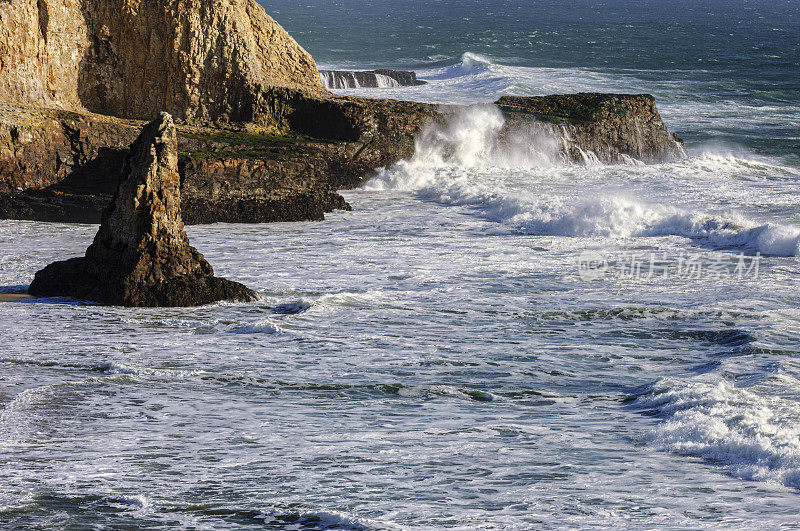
{"x":340,"y":79}
{"x":204,"y":61}
{"x":362,"y":133}
{"x":61,"y":166}
{"x":610,"y":127}
{"x":141,"y":255}
{"x":64,"y":167}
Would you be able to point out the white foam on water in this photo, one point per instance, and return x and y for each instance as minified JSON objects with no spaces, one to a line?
{"x":119,"y":368}
{"x":616,"y":216}
{"x":348,"y":80}
{"x":751,"y":436}
{"x":352,"y":299}
{"x":25,"y":399}
{"x":385,"y":81}
{"x":332,"y":519}
{"x":20,"y":419}
{"x":262,"y":326}
{"x":466,"y":162}
{"x":447,"y":391}
{"x":479,"y":78}
{"x":291,"y":307}
{"x":138,"y":505}
{"x":506,"y":377}
{"x":345,"y":80}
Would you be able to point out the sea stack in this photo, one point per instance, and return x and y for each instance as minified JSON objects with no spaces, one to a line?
{"x":141,"y":255}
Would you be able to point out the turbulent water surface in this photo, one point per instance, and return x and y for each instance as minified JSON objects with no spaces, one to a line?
{"x":491,"y":338}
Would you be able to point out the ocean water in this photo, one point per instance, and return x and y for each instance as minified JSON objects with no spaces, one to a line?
{"x":492,"y":338}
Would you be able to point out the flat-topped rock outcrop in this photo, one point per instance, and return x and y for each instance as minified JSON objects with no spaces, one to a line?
{"x":381,"y":78}
{"x":64,"y":167}
{"x":610,"y":127}
{"x":57,"y":166}
{"x":141,"y":254}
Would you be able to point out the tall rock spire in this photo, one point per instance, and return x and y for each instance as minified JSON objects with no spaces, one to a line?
{"x":141,"y":255}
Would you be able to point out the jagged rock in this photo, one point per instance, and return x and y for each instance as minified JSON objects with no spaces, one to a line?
{"x":204,"y":61}
{"x":342,"y":79}
{"x":141,"y":254}
{"x":365,"y":133}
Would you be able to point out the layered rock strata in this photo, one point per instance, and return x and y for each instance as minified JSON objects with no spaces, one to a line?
{"x":64,"y":167}
{"x":141,"y":254}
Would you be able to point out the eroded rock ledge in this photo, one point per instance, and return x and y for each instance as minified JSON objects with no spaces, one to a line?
{"x":141,"y":255}
{"x":381,"y":78}
{"x":64,"y":167}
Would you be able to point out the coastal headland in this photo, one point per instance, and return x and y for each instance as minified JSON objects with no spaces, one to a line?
{"x":259,"y":137}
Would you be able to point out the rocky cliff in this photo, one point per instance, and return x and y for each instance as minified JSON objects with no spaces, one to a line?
{"x":63,"y":166}
{"x":141,"y":255}
{"x":259,"y":138}
{"x":204,"y":61}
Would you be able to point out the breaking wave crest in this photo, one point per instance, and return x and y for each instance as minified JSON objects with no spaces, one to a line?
{"x":751,"y":436}
{"x":507,"y":177}
{"x":616,"y":216}
{"x":471,"y":63}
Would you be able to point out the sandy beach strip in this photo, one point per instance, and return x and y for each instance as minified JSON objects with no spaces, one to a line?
{"x":12,"y":297}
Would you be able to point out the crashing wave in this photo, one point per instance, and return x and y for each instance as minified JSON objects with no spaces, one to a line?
{"x":751,"y":436}
{"x":471,"y":160}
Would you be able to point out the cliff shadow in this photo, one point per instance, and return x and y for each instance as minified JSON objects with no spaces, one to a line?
{"x":99,"y":175}
{"x":80,"y":197}
{"x":325,"y":119}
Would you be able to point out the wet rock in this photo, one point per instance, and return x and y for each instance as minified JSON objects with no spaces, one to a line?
{"x":343,"y":79}
{"x":141,"y":254}
{"x":609,"y":127}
